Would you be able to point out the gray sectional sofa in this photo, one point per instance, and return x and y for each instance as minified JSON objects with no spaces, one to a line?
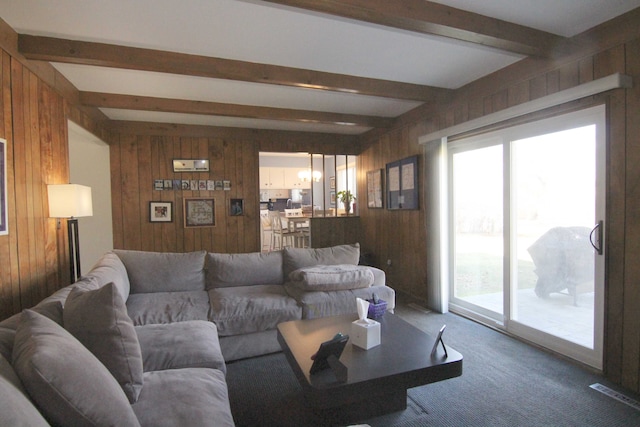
{"x":144,"y":337}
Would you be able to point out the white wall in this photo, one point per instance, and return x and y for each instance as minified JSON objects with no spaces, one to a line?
{"x":89,"y":165}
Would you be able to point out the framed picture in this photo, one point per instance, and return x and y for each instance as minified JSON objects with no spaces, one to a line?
{"x":332,"y":196}
{"x":161,"y":211}
{"x":190,"y":165}
{"x":402,"y":184}
{"x":158,"y":184}
{"x":4,"y":219}
{"x":374,"y":189}
{"x":199,"y":212}
{"x":332,"y":182}
{"x":236,"y":207}
{"x":168,"y":184}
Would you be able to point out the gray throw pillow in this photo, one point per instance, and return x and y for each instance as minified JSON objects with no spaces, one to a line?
{"x":332,"y":277}
{"x":67,"y":382}
{"x":99,"y":320}
{"x":296,"y":258}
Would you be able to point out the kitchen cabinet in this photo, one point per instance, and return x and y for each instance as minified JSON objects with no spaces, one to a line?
{"x":281,"y":178}
{"x":271,"y":178}
{"x":293,"y":181}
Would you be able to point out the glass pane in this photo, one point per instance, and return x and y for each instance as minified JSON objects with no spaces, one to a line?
{"x":554,"y":194}
{"x":478,"y":226}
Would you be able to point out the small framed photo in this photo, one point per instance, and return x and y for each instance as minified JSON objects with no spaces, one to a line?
{"x":199,"y":212}
{"x":218,"y":185}
{"x":226,"y":184}
{"x":193,"y":186}
{"x":202,"y":185}
{"x":211,"y":185}
{"x":161,"y":211}
{"x":332,"y":199}
{"x":186,"y":184}
{"x":332,"y":182}
{"x":168,"y":184}
{"x":158,"y":184}
{"x":236,"y":207}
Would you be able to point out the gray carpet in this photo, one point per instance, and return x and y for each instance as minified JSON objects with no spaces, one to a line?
{"x":504,"y":383}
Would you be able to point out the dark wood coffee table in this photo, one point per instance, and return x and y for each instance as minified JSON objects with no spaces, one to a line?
{"x":377,"y":379}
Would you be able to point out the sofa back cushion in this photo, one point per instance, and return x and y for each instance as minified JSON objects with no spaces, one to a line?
{"x":296,"y":258}
{"x":162,"y":271}
{"x":99,"y":320}
{"x":67,"y":382}
{"x":227,"y":270}
{"x":17,"y":409}
{"x":110,"y":269}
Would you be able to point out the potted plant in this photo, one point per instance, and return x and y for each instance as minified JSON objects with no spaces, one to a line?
{"x":346,"y":197}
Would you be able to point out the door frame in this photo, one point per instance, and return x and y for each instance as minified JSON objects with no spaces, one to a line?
{"x":571,"y":119}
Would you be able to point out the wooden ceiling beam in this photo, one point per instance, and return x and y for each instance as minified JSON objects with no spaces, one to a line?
{"x":439,"y":20}
{"x":108,"y":55}
{"x":145,"y":103}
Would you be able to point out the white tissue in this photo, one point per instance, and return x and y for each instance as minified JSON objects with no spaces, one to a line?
{"x":363,"y":311}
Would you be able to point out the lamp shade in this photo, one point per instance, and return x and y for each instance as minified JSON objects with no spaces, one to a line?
{"x":69,"y":200}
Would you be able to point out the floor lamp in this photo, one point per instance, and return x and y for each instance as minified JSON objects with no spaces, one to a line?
{"x":71,"y":201}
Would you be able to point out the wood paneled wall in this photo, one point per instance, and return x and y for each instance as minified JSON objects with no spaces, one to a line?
{"x":136,"y":161}
{"x":401,"y":237}
{"x":34,"y":256}
{"x":141,"y":154}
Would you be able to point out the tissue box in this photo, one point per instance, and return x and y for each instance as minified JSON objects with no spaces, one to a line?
{"x":365,"y":335}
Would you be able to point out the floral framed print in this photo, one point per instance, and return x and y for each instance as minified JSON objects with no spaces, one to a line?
{"x":199,"y":212}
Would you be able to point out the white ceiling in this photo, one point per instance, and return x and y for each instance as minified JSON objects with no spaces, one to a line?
{"x":261,"y":32}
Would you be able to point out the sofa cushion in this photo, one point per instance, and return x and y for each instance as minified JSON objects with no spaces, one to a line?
{"x":191,"y":344}
{"x":110,"y":269}
{"x":246,"y":309}
{"x":50,"y":309}
{"x":194,"y":397}
{"x":168,"y":307}
{"x":7,"y":336}
{"x":67,"y":382}
{"x":225,"y":270}
{"x":17,"y":409}
{"x":163,"y":272}
{"x":332,"y":277}
{"x":334,"y":303}
{"x":295,"y":258}
{"x":99,"y":320}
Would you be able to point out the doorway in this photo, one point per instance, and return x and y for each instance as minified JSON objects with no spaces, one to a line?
{"x":526,"y":231}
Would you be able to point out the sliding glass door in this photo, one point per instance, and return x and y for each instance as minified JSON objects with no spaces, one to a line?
{"x":526,"y":206}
